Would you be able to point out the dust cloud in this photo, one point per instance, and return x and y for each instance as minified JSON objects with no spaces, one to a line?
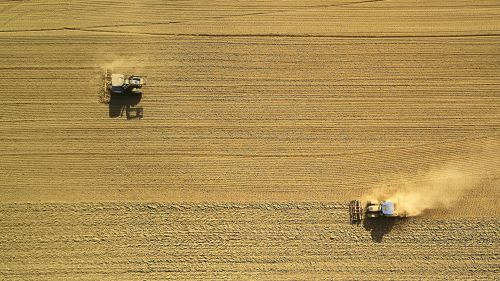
{"x":116,"y":63}
{"x":439,"y":188}
{"x":125,"y":62}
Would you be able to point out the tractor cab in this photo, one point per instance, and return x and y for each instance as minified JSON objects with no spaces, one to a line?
{"x":387,"y":208}
{"x":136,"y":80}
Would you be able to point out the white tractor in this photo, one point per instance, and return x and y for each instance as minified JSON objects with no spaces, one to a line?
{"x":119,"y":84}
{"x":374,"y":209}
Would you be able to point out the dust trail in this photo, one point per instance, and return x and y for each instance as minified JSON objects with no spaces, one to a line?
{"x":120,"y":64}
{"x":115,"y":63}
{"x":440,"y":188}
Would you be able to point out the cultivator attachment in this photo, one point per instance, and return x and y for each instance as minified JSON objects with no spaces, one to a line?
{"x":355,"y":212}
{"x":104,"y":95}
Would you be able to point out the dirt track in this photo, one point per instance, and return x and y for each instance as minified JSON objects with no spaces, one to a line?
{"x":267,"y":101}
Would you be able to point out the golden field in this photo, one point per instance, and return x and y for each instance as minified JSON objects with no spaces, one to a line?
{"x":262,"y":119}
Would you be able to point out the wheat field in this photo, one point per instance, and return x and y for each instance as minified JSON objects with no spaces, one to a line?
{"x":262,"y":119}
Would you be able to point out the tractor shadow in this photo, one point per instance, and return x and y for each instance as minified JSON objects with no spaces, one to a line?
{"x":120,"y":103}
{"x":379,"y":227}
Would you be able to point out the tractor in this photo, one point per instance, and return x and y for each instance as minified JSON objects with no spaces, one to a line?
{"x":119,"y":84}
{"x":374,"y":209}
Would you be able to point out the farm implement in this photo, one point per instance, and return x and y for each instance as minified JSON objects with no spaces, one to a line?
{"x":374,"y":209}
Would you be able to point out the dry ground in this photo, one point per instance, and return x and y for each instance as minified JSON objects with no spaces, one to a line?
{"x":248,"y":101}
{"x":240,"y":242}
